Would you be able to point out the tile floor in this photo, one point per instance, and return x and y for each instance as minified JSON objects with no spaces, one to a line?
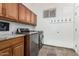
{"x":56,"y":51}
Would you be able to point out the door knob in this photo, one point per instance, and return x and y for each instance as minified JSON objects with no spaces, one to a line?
{"x":76,"y":29}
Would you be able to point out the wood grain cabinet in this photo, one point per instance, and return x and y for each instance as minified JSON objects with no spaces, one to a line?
{"x":33,"y":19}
{"x":28,"y":16}
{"x":17,"y":13}
{"x":22,"y":13}
{"x":12,"y":47}
{"x":6,"y":52}
{"x":1,"y":9}
{"x":18,"y":50}
{"x":11,"y":11}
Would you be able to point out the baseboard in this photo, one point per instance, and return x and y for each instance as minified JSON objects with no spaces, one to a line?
{"x":59,"y":47}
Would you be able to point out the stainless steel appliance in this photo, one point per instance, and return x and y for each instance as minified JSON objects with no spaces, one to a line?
{"x":33,"y":41}
{"x":34,"y":44}
{"x":22,"y":30}
{"x":41,"y":36}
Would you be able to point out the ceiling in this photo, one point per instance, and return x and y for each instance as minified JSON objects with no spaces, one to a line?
{"x":43,"y":5}
{"x":47,"y":5}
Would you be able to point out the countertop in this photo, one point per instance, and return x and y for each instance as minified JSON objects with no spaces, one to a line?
{"x":6,"y":37}
{"x":9,"y":36}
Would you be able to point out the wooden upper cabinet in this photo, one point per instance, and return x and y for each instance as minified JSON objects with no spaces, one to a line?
{"x":11,"y":11}
{"x":1,"y":9}
{"x":28,"y":16}
{"x":17,"y":13}
{"x":22,"y":13}
{"x":33,"y":19}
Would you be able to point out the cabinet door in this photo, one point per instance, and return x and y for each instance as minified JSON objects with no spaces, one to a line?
{"x":0,"y":9}
{"x":6,"y":52}
{"x":28,"y":16}
{"x":18,"y":50}
{"x":11,"y":11}
{"x":22,"y":13}
{"x":33,"y":19}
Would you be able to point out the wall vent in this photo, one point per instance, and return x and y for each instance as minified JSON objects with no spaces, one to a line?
{"x":49,"y":13}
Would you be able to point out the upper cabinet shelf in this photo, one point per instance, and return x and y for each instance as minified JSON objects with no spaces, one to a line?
{"x":17,"y":13}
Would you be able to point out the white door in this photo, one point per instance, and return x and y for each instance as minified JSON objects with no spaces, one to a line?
{"x":76,"y":28}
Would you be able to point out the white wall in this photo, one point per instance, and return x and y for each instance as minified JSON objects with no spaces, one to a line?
{"x":65,"y":36}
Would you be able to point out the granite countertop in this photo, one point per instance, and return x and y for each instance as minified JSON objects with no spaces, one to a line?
{"x":9,"y":36}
